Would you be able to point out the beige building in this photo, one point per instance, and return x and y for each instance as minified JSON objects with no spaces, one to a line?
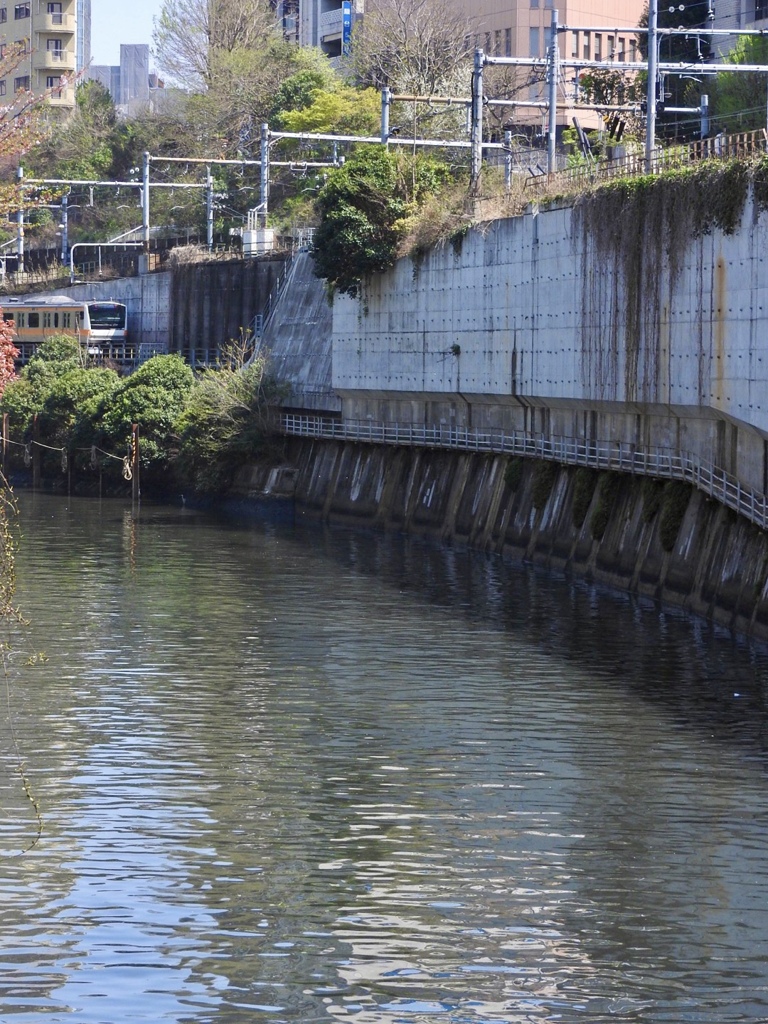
{"x":505,"y":28}
{"x":56,"y":38}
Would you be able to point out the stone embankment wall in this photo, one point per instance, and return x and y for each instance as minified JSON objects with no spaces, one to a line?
{"x":667,"y":542}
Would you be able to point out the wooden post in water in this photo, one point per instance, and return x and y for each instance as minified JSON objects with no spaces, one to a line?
{"x":35,"y":453}
{"x":136,"y":489}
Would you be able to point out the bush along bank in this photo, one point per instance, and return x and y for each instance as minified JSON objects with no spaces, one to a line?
{"x":72,"y":420}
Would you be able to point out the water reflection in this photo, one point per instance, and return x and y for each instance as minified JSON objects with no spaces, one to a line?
{"x":295,"y":774}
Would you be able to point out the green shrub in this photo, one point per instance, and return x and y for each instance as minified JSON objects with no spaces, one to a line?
{"x":608,"y":492}
{"x":677,"y":494}
{"x":544,"y":476}
{"x":584,"y":483}
{"x":513,"y":474}
{"x":652,"y":495}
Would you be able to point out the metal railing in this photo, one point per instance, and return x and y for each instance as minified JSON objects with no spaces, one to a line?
{"x":259,"y":323}
{"x":622,"y":457}
{"x":743,"y":146}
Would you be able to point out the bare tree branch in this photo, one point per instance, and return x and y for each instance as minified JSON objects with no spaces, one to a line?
{"x":190,"y":33}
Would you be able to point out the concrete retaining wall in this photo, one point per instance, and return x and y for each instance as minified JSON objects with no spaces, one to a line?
{"x":718,"y":565}
{"x":528,"y":325}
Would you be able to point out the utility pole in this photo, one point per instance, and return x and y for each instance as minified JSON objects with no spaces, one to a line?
{"x":20,"y":220}
{"x":145,"y":201}
{"x":704,"y":111}
{"x":386,"y":103}
{"x":554,"y":71}
{"x":265,"y":171}
{"x":64,"y":228}
{"x":209,"y":207}
{"x":651,"y":95}
{"x":477,"y":120}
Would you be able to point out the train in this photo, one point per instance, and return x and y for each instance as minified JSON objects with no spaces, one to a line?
{"x":100,"y":327}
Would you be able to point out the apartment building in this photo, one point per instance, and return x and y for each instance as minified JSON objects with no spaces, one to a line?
{"x":56,"y":36}
{"x":739,"y":14}
{"x":504,"y":28}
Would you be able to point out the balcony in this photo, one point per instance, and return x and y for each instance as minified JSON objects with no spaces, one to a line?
{"x":330,"y":23}
{"x":58,"y":24}
{"x":59,"y":62}
{"x":64,"y":97}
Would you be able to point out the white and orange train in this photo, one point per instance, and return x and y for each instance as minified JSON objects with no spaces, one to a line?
{"x":100,"y":327}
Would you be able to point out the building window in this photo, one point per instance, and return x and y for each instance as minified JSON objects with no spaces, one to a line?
{"x":586,"y":46}
{"x":508,"y":42}
{"x":534,"y":3}
{"x":534,"y":41}
{"x":488,"y":43}
{"x":761,"y":9}
{"x":3,"y":14}
{"x":633,"y":50}
{"x":53,"y":82}
{"x":598,"y":46}
{"x":2,"y":87}
{"x":21,"y":11}
{"x":497,"y":43}
{"x":574,"y":44}
{"x":622,"y":48}
{"x":55,"y":12}
{"x":21,"y":83}
{"x":54,"y":48}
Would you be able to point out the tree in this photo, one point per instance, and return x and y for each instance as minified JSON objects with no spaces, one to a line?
{"x":8,"y":354}
{"x":225,"y":421}
{"x":22,"y":125}
{"x":417,"y":46}
{"x":340,"y":109}
{"x":737,"y":99}
{"x":190,"y":35}
{"x":365,"y":208}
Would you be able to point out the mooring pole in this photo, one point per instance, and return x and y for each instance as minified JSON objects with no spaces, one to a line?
{"x":135,"y":488}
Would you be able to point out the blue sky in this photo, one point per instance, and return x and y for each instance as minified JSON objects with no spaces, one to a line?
{"x":114,"y":23}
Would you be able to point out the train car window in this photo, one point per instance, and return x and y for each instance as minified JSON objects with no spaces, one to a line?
{"x":34,"y":319}
{"x":9,"y":317}
{"x":46,"y":319}
{"x":55,"y":319}
{"x":66,"y":319}
{"x":22,"y":319}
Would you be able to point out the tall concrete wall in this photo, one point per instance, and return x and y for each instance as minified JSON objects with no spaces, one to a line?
{"x":528,"y":324}
{"x":212,"y":304}
{"x":298,"y":339}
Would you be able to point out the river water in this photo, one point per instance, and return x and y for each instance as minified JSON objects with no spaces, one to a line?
{"x":291,"y":774}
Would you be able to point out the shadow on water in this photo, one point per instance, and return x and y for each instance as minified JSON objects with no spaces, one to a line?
{"x":702,"y":674}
